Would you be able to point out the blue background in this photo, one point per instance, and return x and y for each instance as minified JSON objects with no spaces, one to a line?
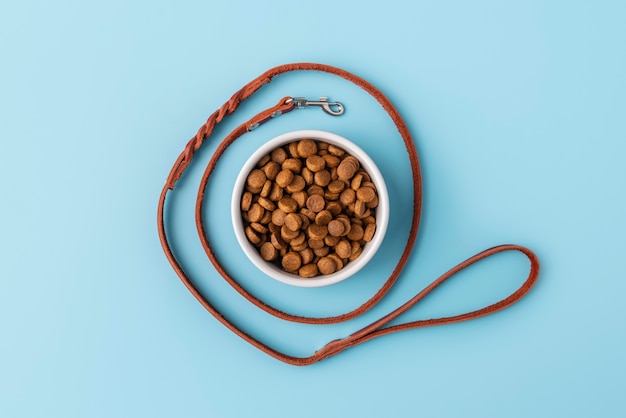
{"x":518,"y":112}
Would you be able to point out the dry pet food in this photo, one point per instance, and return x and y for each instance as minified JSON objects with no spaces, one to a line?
{"x":309,"y":207}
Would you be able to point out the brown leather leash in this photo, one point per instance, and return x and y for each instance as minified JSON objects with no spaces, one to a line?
{"x":373,"y":330}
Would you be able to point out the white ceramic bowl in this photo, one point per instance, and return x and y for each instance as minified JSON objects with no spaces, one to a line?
{"x":369,"y":249}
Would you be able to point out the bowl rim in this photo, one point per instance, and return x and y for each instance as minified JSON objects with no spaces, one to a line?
{"x":382,"y":210}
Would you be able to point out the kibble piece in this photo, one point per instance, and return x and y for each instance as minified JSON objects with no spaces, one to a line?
{"x":316,"y":243}
{"x":246,"y":201}
{"x":336,"y":186}
{"x":365,"y":194}
{"x":336,"y":228}
{"x":276,"y":193}
{"x":277,"y":241}
{"x":300,"y":198}
{"x":326,"y":265}
{"x":305,"y":221}
{"x":255,"y":213}
{"x":287,"y":234}
{"x":253,"y":190}
{"x":346,"y":169}
{"x":355,"y":184}
{"x":323,"y":217}
{"x":334,"y":150}
{"x":298,"y":247}
{"x":333,"y":174}
{"x":331,"y":160}
{"x":356,"y":232}
{"x":369,"y":220}
{"x":267,"y":217}
{"x":315,"y":203}
{"x":368,"y":233}
{"x":366,"y":177}
{"x":293,"y":164}
{"x":317,"y":231}
{"x":334,"y":208}
{"x":306,"y":148}
{"x":253,"y":237}
{"x":264,"y":160}
{"x":256,"y":179}
{"x":322,"y":178}
{"x":271,"y":169}
{"x":359,"y":208}
{"x":308,"y":271}
{"x":293,"y":149}
{"x":356,"y":254}
{"x":346,"y":224}
{"x":356,"y":221}
{"x":293,"y":221}
{"x":356,"y":247}
{"x":258,"y":227}
{"x":347,"y":197}
{"x":267,"y":188}
{"x":353,"y":160}
{"x":268,"y":252}
{"x":291,"y":261}
{"x":331,"y":241}
{"x":315,"y":189}
{"x":321,"y":252}
{"x":343,"y":248}
{"x":307,"y":255}
{"x":296,"y":185}
{"x":287,"y":204}
{"x":331,"y":196}
{"x":315,"y":163}
{"x":367,"y":183}
{"x":308,"y":213}
{"x":307,"y":175}
{"x":279,"y":155}
{"x":284,"y":178}
{"x":338,"y":261}
{"x":272,"y":227}
{"x":278,"y":217}
{"x":373,"y":204}
{"x":299,"y":240}
{"x":266,"y":203}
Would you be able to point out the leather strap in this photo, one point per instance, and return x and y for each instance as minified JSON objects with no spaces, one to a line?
{"x":375,"y":329}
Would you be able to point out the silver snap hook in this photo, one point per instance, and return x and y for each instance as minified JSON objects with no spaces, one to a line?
{"x":332,"y":108}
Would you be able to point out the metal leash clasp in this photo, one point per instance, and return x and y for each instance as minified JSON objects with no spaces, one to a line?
{"x":332,"y":108}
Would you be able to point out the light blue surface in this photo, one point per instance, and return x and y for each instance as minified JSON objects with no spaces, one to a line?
{"x":518,"y":112}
